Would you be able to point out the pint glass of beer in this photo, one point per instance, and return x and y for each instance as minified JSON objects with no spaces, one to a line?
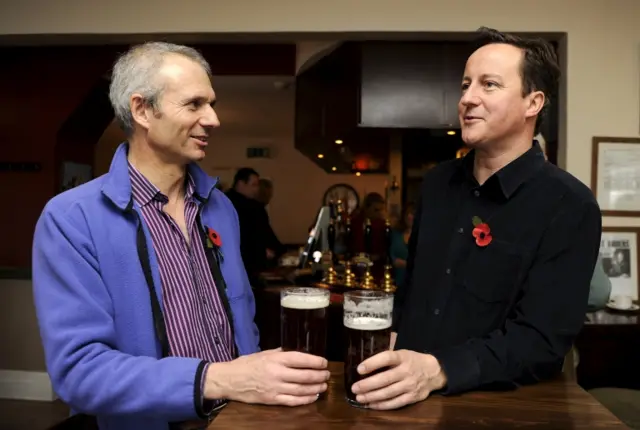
{"x":303,"y":319}
{"x":367,"y":320}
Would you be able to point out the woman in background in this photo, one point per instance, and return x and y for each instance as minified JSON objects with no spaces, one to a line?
{"x":399,"y":243}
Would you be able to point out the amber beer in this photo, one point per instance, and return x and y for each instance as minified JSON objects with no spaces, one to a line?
{"x":303,"y":320}
{"x":367,"y":320}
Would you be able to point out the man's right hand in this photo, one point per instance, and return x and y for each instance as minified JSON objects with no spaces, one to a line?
{"x":270,"y":377}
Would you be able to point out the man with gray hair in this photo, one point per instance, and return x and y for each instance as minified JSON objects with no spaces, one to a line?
{"x":143,"y":303}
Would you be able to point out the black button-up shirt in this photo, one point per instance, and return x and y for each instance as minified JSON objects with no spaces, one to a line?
{"x":506,"y":313}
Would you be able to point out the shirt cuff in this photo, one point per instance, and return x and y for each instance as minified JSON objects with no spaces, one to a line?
{"x":461,"y":368}
{"x":203,"y":406}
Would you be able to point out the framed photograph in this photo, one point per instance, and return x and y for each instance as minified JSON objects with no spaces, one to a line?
{"x":620,"y":253}
{"x":615,"y":175}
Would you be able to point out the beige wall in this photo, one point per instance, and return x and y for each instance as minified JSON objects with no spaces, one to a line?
{"x":21,"y":348}
{"x":603,"y":49}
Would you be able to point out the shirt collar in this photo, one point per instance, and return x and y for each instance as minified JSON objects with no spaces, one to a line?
{"x":145,"y":192}
{"x":508,"y":179}
{"x":117,"y":183}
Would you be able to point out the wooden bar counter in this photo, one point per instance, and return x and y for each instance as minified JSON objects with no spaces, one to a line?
{"x":558,"y":404}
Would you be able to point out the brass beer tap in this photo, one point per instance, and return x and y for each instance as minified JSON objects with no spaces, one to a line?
{"x":388,"y":286}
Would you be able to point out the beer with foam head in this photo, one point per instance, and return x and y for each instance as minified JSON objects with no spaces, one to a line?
{"x":303,"y":320}
{"x":367,"y":320}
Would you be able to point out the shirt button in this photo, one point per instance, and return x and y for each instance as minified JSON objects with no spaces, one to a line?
{"x":461,"y":230}
{"x":476,"y":193}
{"x":436,"y":312}
{"x":448,"y":271}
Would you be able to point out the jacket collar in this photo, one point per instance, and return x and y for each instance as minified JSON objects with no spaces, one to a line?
{"x":117,"y":184}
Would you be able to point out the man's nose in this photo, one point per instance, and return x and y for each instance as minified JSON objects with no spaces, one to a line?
{"x":210,"y":118}
{"x":469,"y":96}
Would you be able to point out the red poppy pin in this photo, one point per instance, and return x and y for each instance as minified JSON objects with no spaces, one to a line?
{"x":214,"y":242}
{"x":481,"y":232}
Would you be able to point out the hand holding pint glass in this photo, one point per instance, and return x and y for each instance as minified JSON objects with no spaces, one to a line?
{"x":367,"y":319}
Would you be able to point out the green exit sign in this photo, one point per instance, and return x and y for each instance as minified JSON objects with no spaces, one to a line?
{"x":258,"y":153}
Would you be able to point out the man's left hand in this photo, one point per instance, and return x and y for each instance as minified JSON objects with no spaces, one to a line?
{"x":410,"y":378}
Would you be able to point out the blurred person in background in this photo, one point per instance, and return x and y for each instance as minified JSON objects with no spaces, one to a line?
{"x":253,"y":235}
{"x":400,"y":243}
{"x":275,"y":248}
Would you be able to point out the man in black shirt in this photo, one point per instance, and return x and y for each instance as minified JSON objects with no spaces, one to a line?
{"x":502,"y":250}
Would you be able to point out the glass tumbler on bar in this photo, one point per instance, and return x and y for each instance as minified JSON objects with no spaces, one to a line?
{"x":367,"y":320}
{"x":303,"y":319}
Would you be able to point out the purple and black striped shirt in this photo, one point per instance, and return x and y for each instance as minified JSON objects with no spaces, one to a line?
{"x":196,"y":322}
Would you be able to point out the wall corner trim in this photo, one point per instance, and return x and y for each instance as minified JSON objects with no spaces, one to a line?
{"x":26,"y":385}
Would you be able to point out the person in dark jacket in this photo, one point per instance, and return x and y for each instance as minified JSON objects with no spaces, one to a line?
{"x":251,"y":216}
{"x":275,"y":248}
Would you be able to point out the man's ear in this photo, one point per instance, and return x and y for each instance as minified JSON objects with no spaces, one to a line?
{"x":140,"y":110}
{"x":535,"y":102}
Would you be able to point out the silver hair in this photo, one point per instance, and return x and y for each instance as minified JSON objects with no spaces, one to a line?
{"x":135,"y":72}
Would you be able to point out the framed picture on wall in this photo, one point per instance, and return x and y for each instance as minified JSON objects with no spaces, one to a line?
{"x":620,"y":253}
{"x":615,"y":175}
